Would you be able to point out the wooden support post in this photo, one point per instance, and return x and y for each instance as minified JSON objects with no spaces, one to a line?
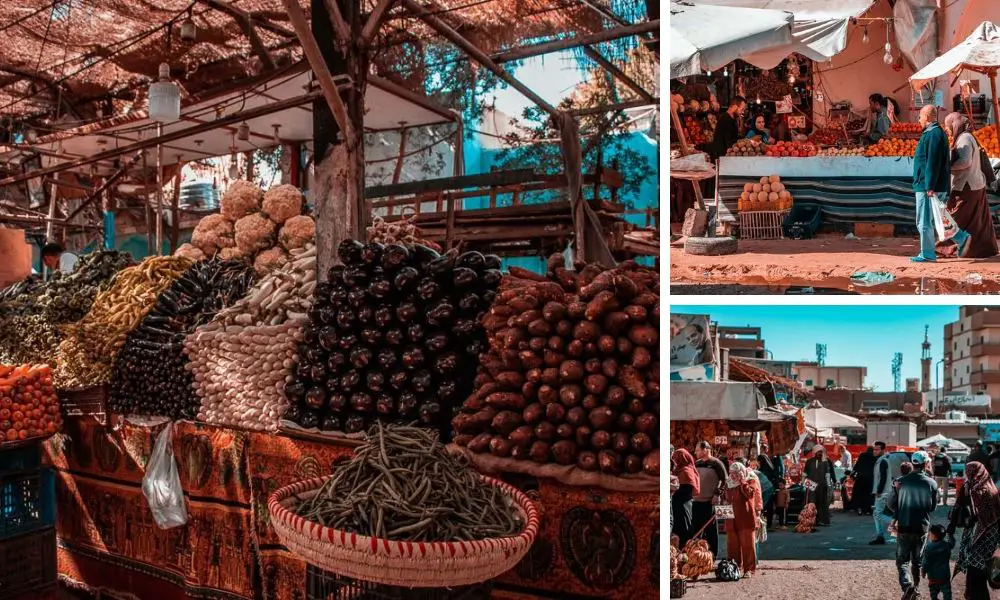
{"x":450,"y":227}
{"x":338,"y":123}
{"x":175,"y":210}
{"x":159,"y":192}
{"x":403,"y":135}
{"x":375,"y":20}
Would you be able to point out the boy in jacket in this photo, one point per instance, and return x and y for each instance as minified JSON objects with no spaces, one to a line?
{"x":936,"y":562}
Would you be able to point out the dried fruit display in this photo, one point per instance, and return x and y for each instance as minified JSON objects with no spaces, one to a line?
{"x":699,"y":559}
{"x":572,"y":372}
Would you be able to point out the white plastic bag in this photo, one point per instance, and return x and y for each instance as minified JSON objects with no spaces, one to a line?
{"x":944,"y":223}
{"x":162,"y":485}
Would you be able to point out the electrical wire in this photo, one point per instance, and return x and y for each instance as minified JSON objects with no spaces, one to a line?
{"x":36,"y":12}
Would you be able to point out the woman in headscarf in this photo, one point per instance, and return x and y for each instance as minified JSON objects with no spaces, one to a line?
{"x":744,"y":493}
{"x":819,"y":469}
{"x":864,"y":480}
{"x":967,"y":203}
{"x":979,"y":506}
{"x":688,"y":484}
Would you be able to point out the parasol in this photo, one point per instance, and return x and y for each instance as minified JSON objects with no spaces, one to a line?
{"x":820,"y":419}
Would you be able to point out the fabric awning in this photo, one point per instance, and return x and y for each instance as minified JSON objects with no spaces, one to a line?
{"x":765,"y":418}
{"x":819,"y":419}
{"x":705,"y":38}
{"x":942,"y":441}
{"x":979,"y":52}
{"x":819,"y":30}
{"x":712,"y":400}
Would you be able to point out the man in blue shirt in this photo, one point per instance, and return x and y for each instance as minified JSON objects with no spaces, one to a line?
{"x":931,"y":179}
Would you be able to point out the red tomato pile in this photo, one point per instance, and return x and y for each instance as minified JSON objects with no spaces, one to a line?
{"x":798,"y":149}
{"x":29,"y":406}
{"x":695,"y":134}
{"x":827,"y":136}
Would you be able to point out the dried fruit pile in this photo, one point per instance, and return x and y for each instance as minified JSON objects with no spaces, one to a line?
{"x":149,"y":376}
{"x":572,"y":372}
{"x":402,"y":485}
{"x":394,"y":334}
{"x":768,"y":194}
{"x":29,"y":407}
{"x":29,"y":321}
{"x":88,"y":353}
{"x":257,"y":227}
{"x":402,"y":231}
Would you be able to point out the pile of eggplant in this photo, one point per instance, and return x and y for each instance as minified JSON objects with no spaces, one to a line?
{"x":393,"y":335}
{"x":149,"y":376}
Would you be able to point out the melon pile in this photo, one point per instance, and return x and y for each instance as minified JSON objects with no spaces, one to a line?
{"x":768,"y":194}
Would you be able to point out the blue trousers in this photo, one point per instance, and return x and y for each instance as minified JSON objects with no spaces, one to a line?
{"x":925,"y":225}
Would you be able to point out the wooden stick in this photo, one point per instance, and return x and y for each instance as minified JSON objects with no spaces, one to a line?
{"x":620,"y":75}
{"x":375,"y":20}
{"x":339,"y":22}
{"x":318,"y":64}
{"x":577,"y":41}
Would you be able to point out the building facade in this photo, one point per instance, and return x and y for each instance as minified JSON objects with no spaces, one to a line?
{"x":742,"y":342}
{"x":972,"y":355}
{"x":813,"y":376}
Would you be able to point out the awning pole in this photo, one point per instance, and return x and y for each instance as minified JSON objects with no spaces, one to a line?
{"x":159,"y":192}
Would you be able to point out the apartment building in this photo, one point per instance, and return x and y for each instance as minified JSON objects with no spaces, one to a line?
{"x":971,"y":365}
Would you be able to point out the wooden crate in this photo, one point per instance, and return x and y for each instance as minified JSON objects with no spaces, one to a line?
{"x":874,"y":230}
{"x":762,"y":224}
{"x":593,"y":543}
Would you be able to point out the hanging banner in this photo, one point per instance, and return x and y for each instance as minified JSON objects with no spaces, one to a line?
{"x":692,"y":354}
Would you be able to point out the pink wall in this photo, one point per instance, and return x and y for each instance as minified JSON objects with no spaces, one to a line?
{"x":960,"y":19}
{"x":858,"y":71}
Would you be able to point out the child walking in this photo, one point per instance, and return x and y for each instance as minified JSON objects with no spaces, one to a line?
{"x":935,"y":562}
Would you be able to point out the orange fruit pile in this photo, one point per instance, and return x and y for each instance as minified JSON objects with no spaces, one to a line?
{"x":900,"y":127}
{"x":987,"y":137}
{"x":892,"y":147}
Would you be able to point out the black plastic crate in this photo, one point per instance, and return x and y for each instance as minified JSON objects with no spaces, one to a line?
{"x":28,"y":565}
{"x":27,"y":502}
{"x":978,"y":102}
{"x":27,"y":457}
{"x":324,"y":585}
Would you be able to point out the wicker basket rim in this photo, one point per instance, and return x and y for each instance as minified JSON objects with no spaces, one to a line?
{"x":382,"y":546}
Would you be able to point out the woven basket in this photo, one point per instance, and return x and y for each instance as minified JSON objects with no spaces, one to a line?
{"x":405,"y":564}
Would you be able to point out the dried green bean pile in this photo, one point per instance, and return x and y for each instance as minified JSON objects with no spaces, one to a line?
{"x":403,"y":485}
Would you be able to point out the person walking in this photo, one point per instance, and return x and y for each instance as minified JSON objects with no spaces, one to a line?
{"x":712,"y":476}
{"x":941,"y":469}
{"x":935,"y":562}
{"x":770,"y":473}
{"x":819,"y":470}
{"x":931,"y":178}
{"x":688,"y":486}
{"x":977,"y":510}
{"x":881,"y":486}
{"x":744,"y":493}
{"x":863,"y":476}
{"x":978,"y":455}
{"x":912,"y":501}
{"x":967,"y":202}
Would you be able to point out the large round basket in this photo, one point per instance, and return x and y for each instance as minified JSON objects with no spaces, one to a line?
{"x":406,"y":564}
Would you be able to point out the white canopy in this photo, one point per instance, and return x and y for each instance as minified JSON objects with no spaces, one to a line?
{"x":979,"y":52}
{"x":942,"y":441}
{"x":819,"y":31}
{"x":819,"y":419}
{"x":704,"y":38}
{"x":696,"y":400}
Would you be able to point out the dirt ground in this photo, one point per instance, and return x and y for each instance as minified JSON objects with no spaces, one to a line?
{"x":829,"y":261}
{"x":834,"y":563}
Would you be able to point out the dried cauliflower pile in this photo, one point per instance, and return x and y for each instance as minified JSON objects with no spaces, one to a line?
{"x":261,"y":228}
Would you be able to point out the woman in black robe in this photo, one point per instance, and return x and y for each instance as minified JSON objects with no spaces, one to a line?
{"x":864,"y":480}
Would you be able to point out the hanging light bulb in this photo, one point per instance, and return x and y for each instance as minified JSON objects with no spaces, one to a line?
{"x":865,"y":39}
{"x":234,"y":167}
{"x":709,"y":73}
{"x":243,"y":132}
{"x":791,"y":79}
{"x":887,"y":57}
{"x":188,"y":29}
{"x":164,"y":97}
{"x":758,"y":98}
{"x":725,"y":71}
{"x":819,"y":97}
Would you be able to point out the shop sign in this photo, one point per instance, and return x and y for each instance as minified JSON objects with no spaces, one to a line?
{"x":783,"y":106}
{"x":794,"y":470}
{"x":989,"y":432}
{"x":724,"y":511}
{"x":721,"y":440}
{"x":797,"y":122}
{"x":810,"y":485}
{"x":963,"y":400}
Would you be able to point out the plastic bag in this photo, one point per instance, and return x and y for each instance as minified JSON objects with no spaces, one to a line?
{"x":162,"y":485}
{"x":944,"y":223}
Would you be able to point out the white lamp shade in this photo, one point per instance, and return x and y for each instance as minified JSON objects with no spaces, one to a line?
{"x":164,"y":101}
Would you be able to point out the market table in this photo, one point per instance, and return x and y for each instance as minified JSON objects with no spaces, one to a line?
{"x":593,"y":542}
{"x":848,"y":189}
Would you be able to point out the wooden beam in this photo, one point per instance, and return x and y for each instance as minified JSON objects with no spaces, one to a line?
{"x":575,"y":42}
{"x":596,"y":110}
{"x":239,"y":13}
{"x":318,"y":64}
{"x":620,"y":75}
{"x":104,"y":186}
{"x":476,"y":54}
{"x":337,"y":19}
{"x":375,"y":21}
{"x":255,"y":42}
{"x":246,"y":115}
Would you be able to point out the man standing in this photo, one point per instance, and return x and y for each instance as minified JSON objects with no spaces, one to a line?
{"x":931,"y":177}
{"x":727,"y":131}
{"x":912,"y":503}
{"x":941,"y":467}
{"x":880,"y":490}
{"x":713,"y":477}
{"x":978,"y":455}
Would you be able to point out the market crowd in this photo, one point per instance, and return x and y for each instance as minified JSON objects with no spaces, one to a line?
{"x":899,"y":490}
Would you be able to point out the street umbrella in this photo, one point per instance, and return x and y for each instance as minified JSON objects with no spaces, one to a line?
{"x":705,"y":38}
{"x":942,"y":441}
{"x":980,"y":52}
{"x":819,"y":419}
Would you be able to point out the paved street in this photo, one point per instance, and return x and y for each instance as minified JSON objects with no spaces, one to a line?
{"x":834,"y":563}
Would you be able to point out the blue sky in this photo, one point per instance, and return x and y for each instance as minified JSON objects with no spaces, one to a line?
{"x":552,"y":77}
{"x":854,"y":335}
